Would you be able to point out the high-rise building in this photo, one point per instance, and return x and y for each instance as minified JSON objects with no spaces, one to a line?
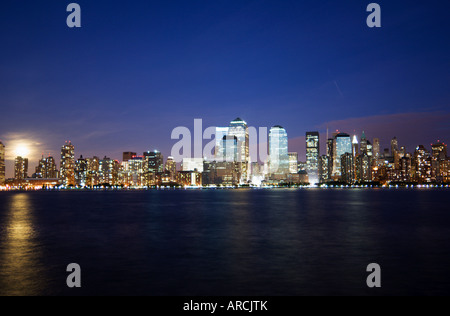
{"x":67,"y":167}
{"x":324,"y":170}
{"x":128,"y":155}
{"x":2,"y":164}
{"x":439,"y":151}
{"x":278,"y":151}
{"x":394,"y":146}
{"x":108,"y":171}
{"x":376,"y":149}
{"x":239,"y":129}
{"x":133,"y":170}
{"x":93,"y":174}
{"x":364,"y":142}
{"x":81,"y":172}
{"x":331,"y":145}
{"x":171,"y":167}
{"x":46,"y":169}
{"x":154,"y":161}
{"x":293,"y":162}
{"x":221,"y":132}
{"x":21,"y":168}
{"x":355,"y":146}
{"x":347,"y":168}
{"x":312,"y":156}
{"x":229,"y":149}
{"x":364,"y":167}
{"x":422,"y":165}
{"x":343,"y":146}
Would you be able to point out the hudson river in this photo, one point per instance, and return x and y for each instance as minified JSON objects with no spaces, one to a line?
{"x":226,"y":242}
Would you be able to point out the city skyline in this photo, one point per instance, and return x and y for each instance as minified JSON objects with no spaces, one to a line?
{"x":298,"y":145}
{"x":133,"y":72}
{"x":348,"y":158}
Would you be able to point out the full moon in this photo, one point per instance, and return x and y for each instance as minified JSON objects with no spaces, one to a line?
{"x":22,"y":151}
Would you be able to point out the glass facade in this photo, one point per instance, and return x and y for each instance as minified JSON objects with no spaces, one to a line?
{"x":278,"y":151}
{"x":343,"y":146}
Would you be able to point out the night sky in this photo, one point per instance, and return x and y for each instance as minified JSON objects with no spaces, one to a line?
{"x":136,"y":70}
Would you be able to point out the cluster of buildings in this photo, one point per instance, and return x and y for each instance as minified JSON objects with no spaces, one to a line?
{"x":347,"y":161}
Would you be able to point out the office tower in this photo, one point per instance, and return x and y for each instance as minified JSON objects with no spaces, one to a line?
{"x":108,"y":171}
{"x":128,"y":155}
{"x":394,"y":146}
{"x":171,"y":167}
{"x":355,"y":146}
{"x":46,"y":169}
{"x":93,"y":176}
{"x":324,"y":170}
{"x":154,"y":161}
{"x":364,"y":142}
{"x":422,"y":165}
{"x":363,"y":167}
{"x":405,"y":169}
{"x":376,"y":149}
{"x":278,"y":151}
{"x":330,"y":154}
{"x":439,"y":151}
{"x":369,"y":149}
{"x":221,"y":132}
{"x":343,"y":146}
{"x":67,"y":166}
{"x":133,"y":170}
{"x":347,"y":168}
{"x":81,"y":172}
{"x":20,"y":168}
{"x":192,"y":164}
{"x":239,"y":129}
{"x":312,"y":156}
{"x":2,"y":164}
{"x":293,"y":162}
{"x":229,"y":149}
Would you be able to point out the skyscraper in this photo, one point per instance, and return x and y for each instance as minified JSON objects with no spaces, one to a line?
{"x":154,"y":161}
{"x":376,"y":149}
{"x":81,"y":172}
{"x":343,"y":146}
{"x":312,"y":156}
{"x":171,"y":167}
{"x":355,"y":146}
{"x":394,"y":146}
{"x":21,"y":168}
{"x":239,"y":129}
{"x":293,"y":163}
{"x":67,"y":168}
{"x":220,"y":133}
{"x":46,"y":169}
{"x":278,"y":151}
{"x":2,"y":164}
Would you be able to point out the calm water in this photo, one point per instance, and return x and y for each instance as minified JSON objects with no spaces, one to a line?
{"x":249,"y":242}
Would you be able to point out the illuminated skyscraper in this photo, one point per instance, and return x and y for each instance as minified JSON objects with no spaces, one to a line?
{"x":67,"y":168}
{"x":220,"y":133}
{"x":312,"y":156}
{"x":21,"y":168}
{"x":2,"y":164}
{"x":46,"y":169}
{"x":347,"y":168}
{"x":439,"y":151}
{"x":355,"y":146}
{"x":154,"y":161}
{"x":239,"y":129}
{"x":278,"y":151}
{"x":81,"y":172}
{"x":171,"y":167}
{"x":93,"y":174}
{"x":108,"y":171}
{"x":324,"y":170}
{"x":343,"y":146}
{"x":293,"y":163}
{"x":364,"y":142}
{"x":376,"y":149}
{"x":394,"y":146}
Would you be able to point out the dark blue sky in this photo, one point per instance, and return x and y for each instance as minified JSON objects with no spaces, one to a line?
{"x":136,"y":70}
